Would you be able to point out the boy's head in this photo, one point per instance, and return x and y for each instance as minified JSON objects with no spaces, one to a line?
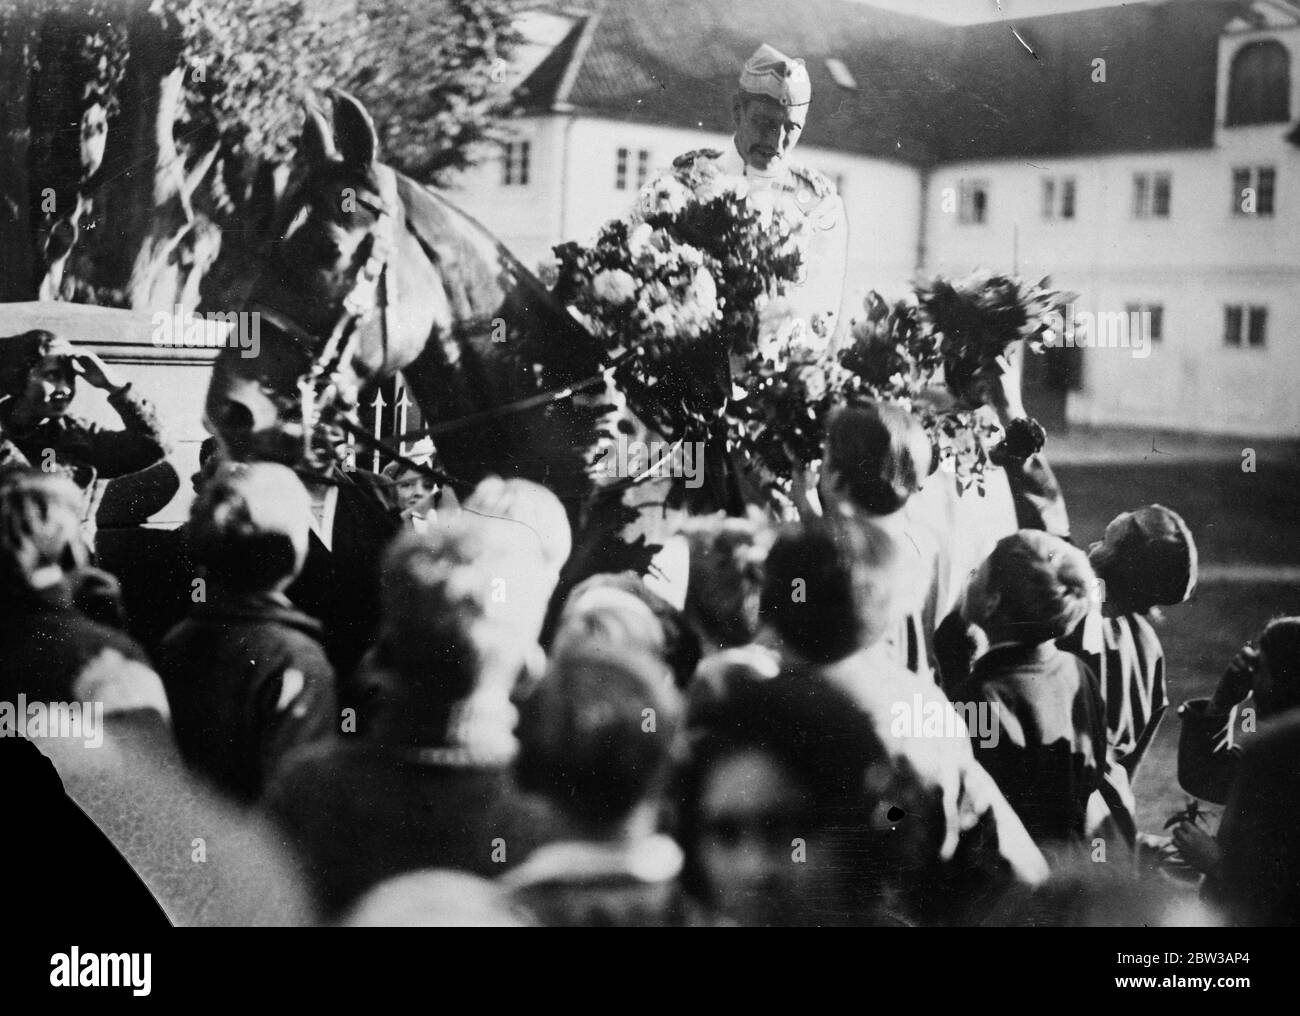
{"x":726,"y":576}
{"x":876,"y":457}
{"x":448,"y":630}
{"x":521,"y":507}
{"x":1147,"y":558}
{"x":1276,"y":682}
{"x":596,"y":735}
{"x":833,"y":586}
{"x":1033,"y":588}
{"x":651,"y":622}
{"x":611,"y":617}
{"x":38,"y":368}
{"x":527,"y":524}
{"x":40,"y":528}
{"x":410,"y":486}
{"x":249,"y":526}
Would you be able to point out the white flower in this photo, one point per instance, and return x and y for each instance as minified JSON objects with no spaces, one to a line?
{"x":690,"y":256}
{"x":663,"y":195}
{"x":639,"y":239}
{"x":665,"y":322}
{"x":613,"y":286}
{"x":704,"y":291}
{"x":812,"y":339}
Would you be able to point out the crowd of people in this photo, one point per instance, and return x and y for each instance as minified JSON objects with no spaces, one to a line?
{"x":899,"y":710}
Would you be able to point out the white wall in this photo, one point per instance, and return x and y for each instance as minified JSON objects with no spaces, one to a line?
{"x":573,"y":193}
{"x":1193,"y":263}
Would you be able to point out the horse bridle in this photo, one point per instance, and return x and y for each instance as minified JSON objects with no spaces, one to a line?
{"x":320,"y":385}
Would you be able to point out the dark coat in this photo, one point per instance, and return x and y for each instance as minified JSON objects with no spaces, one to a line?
{"x":247,"y":680}
{"x":1050,"y":753}
{"x":1258,"y":883}
{"x":82,"y":446}
{"x":340,"y":585}
{"x":360,"y":812}
{"x":49,"y":646}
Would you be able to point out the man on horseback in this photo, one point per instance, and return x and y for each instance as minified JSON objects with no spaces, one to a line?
{"x":769,"y":111}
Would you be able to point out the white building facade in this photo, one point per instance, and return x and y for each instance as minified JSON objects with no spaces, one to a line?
{"x":1205,"y":241}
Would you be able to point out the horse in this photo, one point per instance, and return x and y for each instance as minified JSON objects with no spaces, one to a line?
{"x":368,"y":273}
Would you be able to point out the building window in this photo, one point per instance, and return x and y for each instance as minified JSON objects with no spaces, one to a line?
{"x":973,"y":202}
{"x":1154,"y":322}
{"x":1151,"y":195}
{"x":1245,"y":323}
{"x":1058,"y":197}
{"x":515,"y":163}
{"x":1252,"y":190}
{"x":1259,"y":84}
{"x":622,"y":166}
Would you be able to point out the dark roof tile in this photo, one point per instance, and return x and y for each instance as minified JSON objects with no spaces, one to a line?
{"x":927,"y":92}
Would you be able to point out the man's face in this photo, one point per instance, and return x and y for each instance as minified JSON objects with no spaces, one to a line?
{"x":51,"y":386}
{"x":766,"y":131}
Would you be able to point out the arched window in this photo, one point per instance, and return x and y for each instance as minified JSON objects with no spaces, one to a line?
{"x":1259,"y":84}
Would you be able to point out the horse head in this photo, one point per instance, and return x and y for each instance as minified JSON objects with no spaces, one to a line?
{"x":316,"y":296}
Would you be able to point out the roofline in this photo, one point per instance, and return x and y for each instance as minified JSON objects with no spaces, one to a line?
{"x":570,"y":111}
{"x":579,"y":57}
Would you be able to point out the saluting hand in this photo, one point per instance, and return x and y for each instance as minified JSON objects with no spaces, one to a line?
{"x":97,"y":373}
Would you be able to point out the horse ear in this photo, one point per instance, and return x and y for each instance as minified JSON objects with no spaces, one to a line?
{"x":355,"y":131}
{"x":317,"y":144}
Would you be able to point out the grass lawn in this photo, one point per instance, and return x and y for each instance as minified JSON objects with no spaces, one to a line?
{"x":1237,"y":518}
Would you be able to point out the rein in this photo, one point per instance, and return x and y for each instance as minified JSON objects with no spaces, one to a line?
{"x":318,"y":387}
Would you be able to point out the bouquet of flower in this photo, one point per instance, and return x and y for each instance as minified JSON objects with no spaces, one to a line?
{"x":977,"y":319}
{"x":932,"y":354}
{"x":676,"y":289}
{"x":952,"y":339}
{"x":687,"y":295}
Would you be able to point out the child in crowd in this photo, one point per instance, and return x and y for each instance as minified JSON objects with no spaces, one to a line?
{"x":791,"y":810}
{"x":418,"y":498}
{"x":51,"y":651}
{"x":665,"y":633}
{"x":1051,"y":752}
{"x":426,"y":781}
{"x":596,"y":741}
{"x":246,"y":672}
{"x":831,"y":596}
{"x":876,"y":458}
{"x":726,"y":577}
{"x":1146,"y":559}
{"x":1252,"y":866}
{"x":38,"y":383}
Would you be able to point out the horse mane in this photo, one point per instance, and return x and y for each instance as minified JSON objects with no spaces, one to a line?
{"x":544,"y":348}
{"x":473,"y":263}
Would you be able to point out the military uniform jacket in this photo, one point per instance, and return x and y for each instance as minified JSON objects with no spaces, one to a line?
{"x":809,"y":200}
